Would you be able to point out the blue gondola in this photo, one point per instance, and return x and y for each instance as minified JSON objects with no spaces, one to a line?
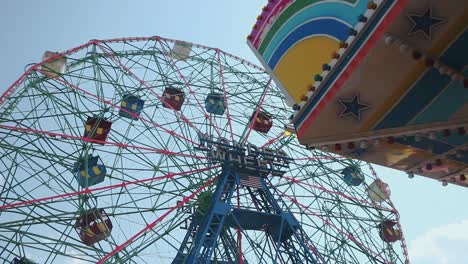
{"x":214,"y":104}
{"x":132,"y":105}
{"x":95,"y":173}
{"x":352,"y":176}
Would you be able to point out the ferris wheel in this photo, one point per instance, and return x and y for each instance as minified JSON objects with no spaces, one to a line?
{"x":152,"y":150}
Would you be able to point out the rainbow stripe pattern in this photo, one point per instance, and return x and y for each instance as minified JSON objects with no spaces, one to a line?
{"x":293,"y":39}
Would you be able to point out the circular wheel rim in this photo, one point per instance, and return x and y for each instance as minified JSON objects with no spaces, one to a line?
{"x":155,"y":172}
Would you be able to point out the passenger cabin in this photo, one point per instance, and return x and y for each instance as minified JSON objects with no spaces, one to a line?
{"x":263,"y":122}
{"x":131,"y":107}
{"x":173,"y":98}
{"x":55,"y":66}
{"x":388,"y":231}
{"x":352,"y":176}
{"x":93,"y":226}
{"x":378,"y":191}
{"x":90,"y":171}
{"x":97,"y":128}
{"x":214,"y":104}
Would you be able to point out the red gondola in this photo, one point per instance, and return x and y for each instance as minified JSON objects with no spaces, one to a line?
{"x":97,"y":128}
{"x":263,"y":122}
{"x":388,"y":231}
{"x":173,"y":98}
{"x":93,"y":226}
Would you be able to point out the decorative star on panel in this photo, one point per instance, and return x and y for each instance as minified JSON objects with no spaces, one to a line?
{"x":353,"y":107}
{"x":424,"y":23}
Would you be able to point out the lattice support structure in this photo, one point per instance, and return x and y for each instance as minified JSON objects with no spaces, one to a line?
{"x":210,"y":232}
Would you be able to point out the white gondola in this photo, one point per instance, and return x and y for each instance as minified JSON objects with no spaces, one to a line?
{"x":378,"y":191}
{"x":55,"y":66}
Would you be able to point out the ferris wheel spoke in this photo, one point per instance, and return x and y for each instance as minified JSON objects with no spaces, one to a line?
{"x":257,"y":244}
{"x":54,"y":229}
{"x":147,"y":86}
{"x":89,"y":140}
{"x":25,"y":160}
{"x":92,"y":190}
{"x":155,"y":222}
{"x":257,"y":111}
{"x":12,"y":89}
{"x":226,"y":101}
{"x":403,"y":240}
{"x":192,"y":92}
{"x":159,"y":233}
{"x":321,"y":188}
{"x":327,"y":222}
{"x":273,"y":140}
{"x":107,"y":102}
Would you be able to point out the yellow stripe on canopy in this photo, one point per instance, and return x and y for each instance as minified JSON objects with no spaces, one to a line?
{"x":297,"y":67}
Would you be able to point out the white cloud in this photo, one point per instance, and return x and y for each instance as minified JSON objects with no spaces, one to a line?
{"x":442,"y":245}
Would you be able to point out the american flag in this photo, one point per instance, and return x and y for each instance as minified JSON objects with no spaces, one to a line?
{"x":251,"y":181}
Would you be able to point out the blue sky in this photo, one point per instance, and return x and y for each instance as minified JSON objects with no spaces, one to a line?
{"x":434,"y":218}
